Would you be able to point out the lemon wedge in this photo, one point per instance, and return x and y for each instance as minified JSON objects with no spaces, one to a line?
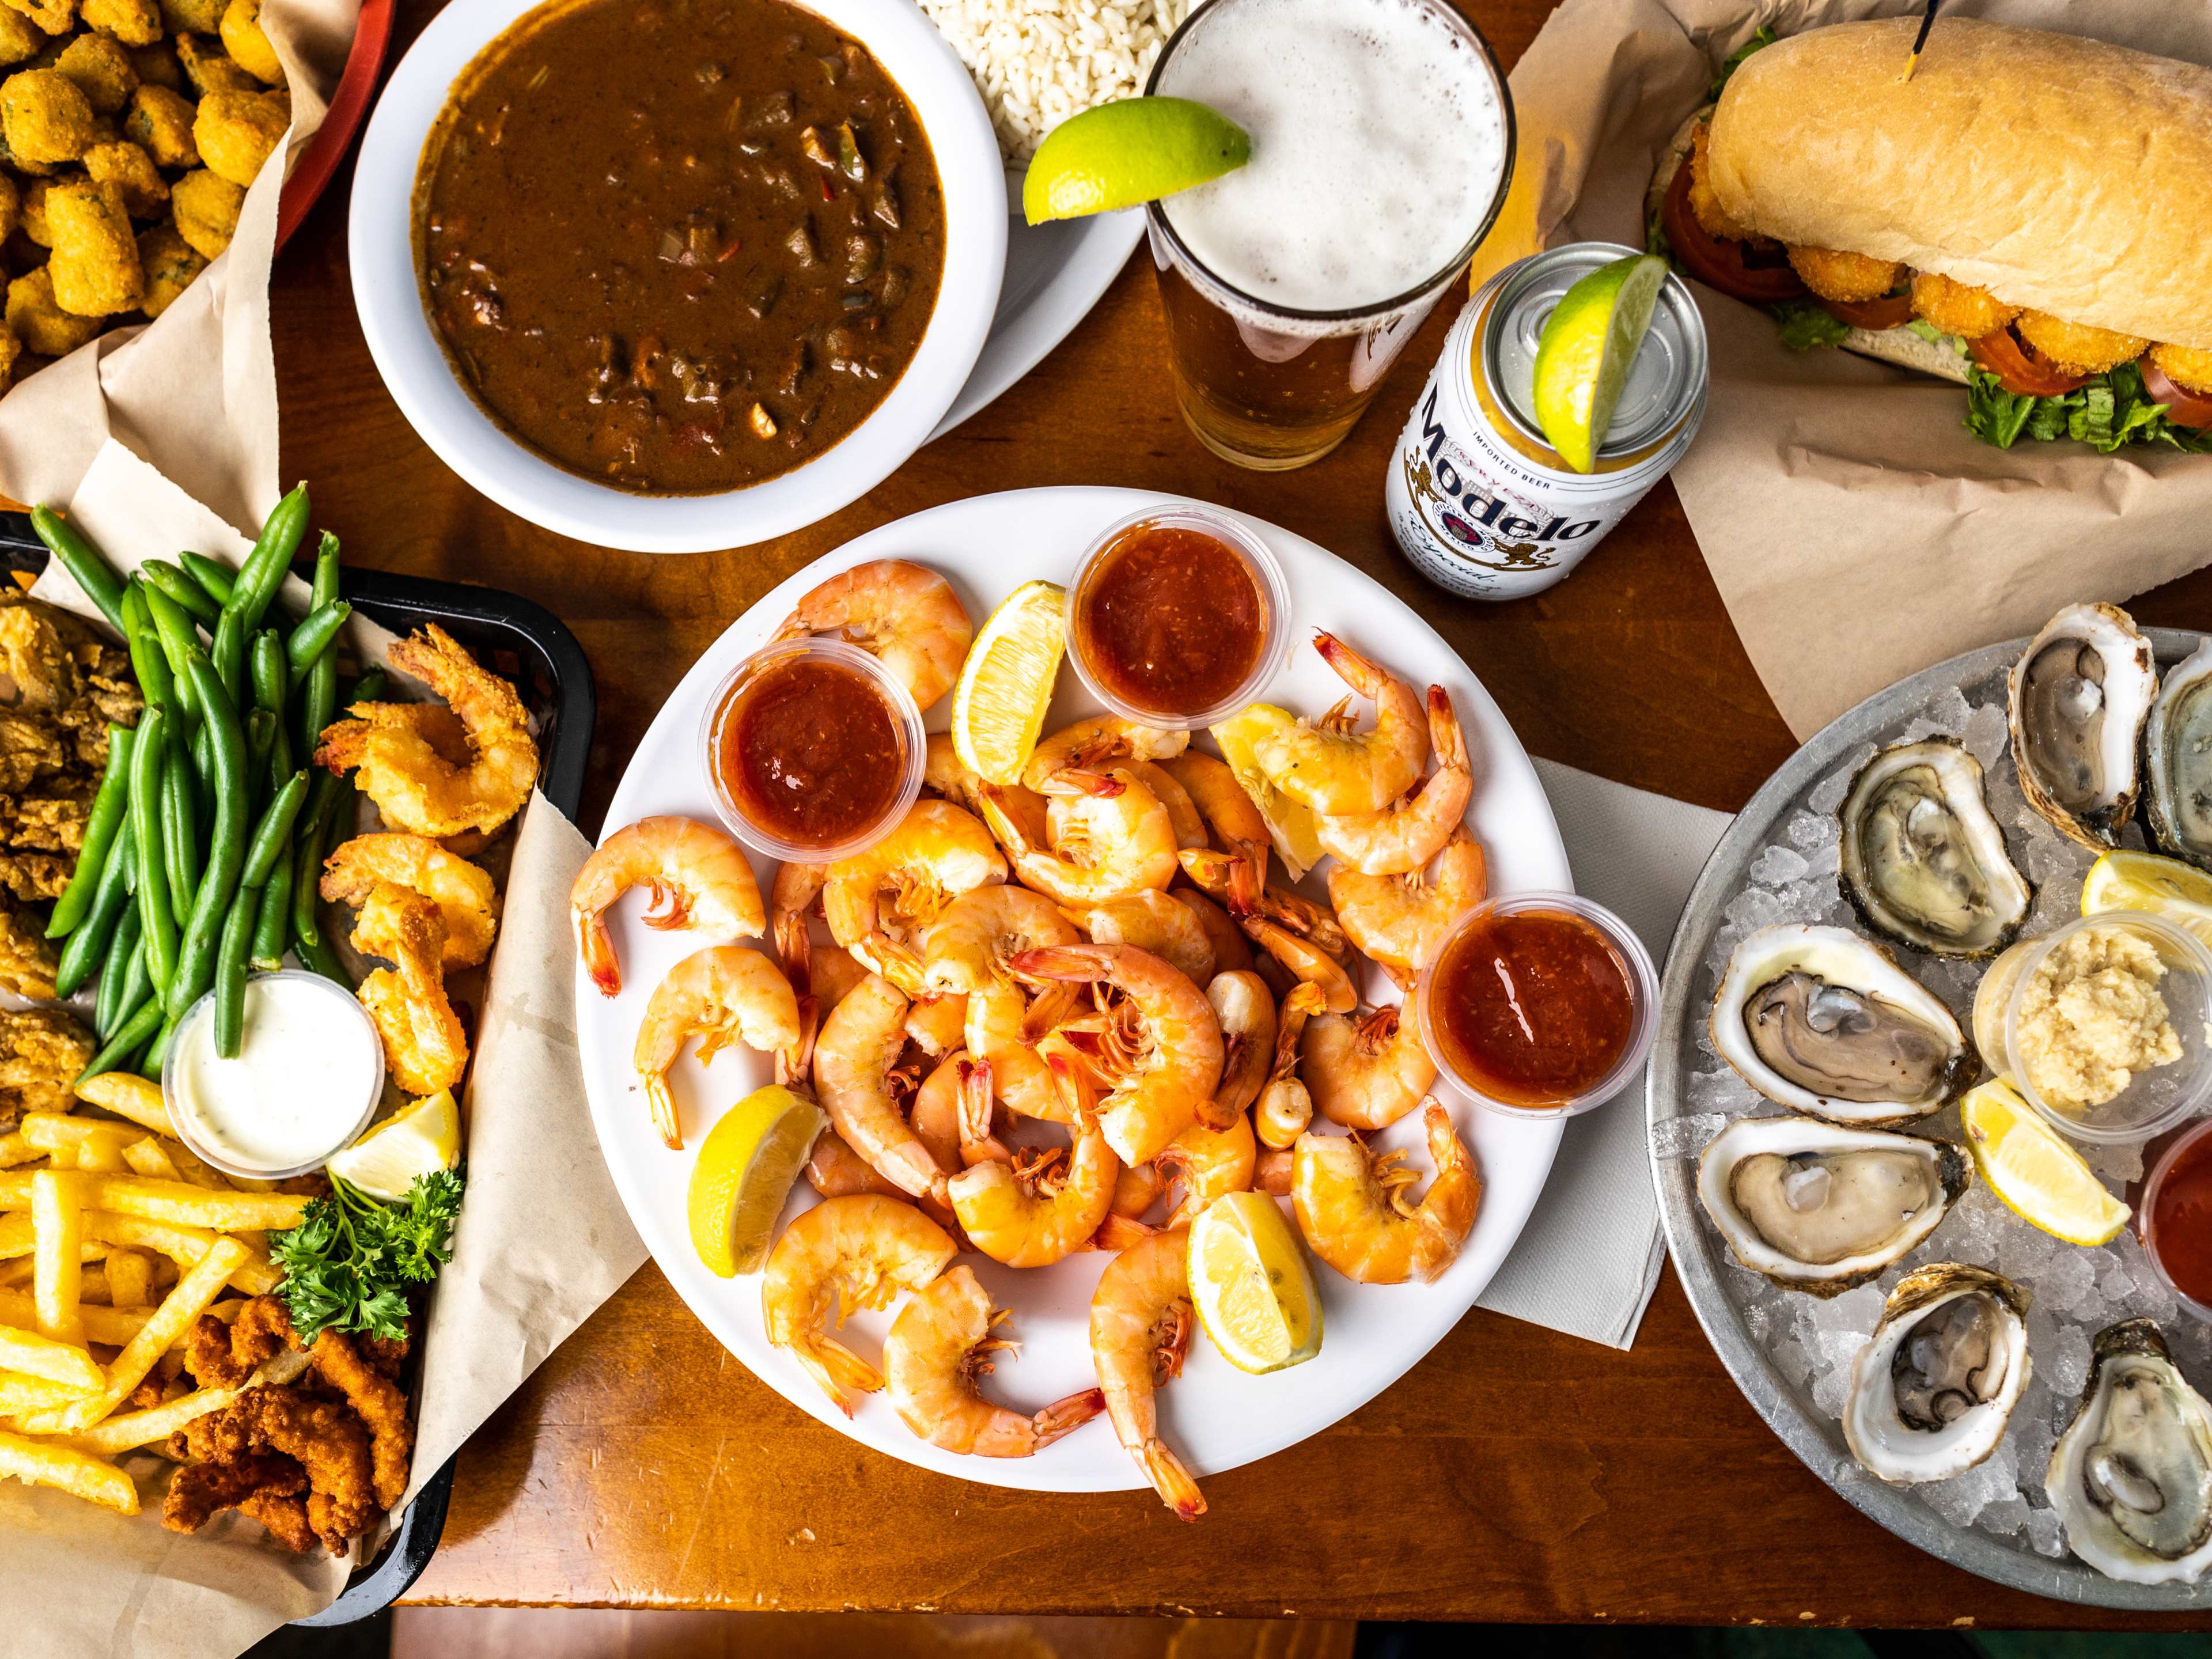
{"x":1290,"y":823}
{"x":746,"y":1168}
{"x":2124,"y":880}
{"x":2030,"y":1166}
{"x":1006,"y":684}
{"x":1250,"y":1285}
{"x":421,"y":1140}
{"x":1133,"y":150}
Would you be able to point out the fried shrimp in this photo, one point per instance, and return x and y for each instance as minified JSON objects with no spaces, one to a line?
{"x":700,"y":879}
{"x":467,"y":898}
{"x":2076,"y":347}
{"x":1703,"y":203}
{"x":881,"y":902}
{"x":1104,"y":837}
{"x":1330,"y":768}
{"x":1140,"y":1320}
{"x":1364,"y":1071}
{"x":1246,"y":1009}
{"x":723,"y":994}
{"x":1161,"y":1062}
{"x":2189,"y":368}
{"x":1846,"y":278}
{"x":1408,"y":833}
{"x":1152,"y":922}
{"x":980,"y":931}
{"x":844,"y":1254}
{"x":1203,"y":1164}
{"x":423,"y":1042}
{"x":1958,"y":308}
{"x":1228,"y":812}
{"x":1091,"y":745}
{"x":1029,"y":1212}
{"x":1354,"y":1209}
{"x":904,"y":614}
{"x":416,"y":788}
{"x":935,"y":1353}
{"x":860,"y":1043}
{"x":1398,"y":921}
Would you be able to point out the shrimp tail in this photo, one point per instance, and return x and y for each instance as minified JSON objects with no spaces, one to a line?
{"x":1063,"y":1417}
{"x":837,"y":1369}
{"x":664,"y":1113}
{"x":1056,"y":962}
{"x":1118,"y":1232}
{"x":597,"y":952}
{"x":1171,"y":1481}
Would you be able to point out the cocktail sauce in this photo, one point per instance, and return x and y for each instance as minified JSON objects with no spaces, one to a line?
{"x":2180,"y":1229}
{"x":1531,"y":1007}
{"x":808,"y":752}
{"x":1170,"y":620}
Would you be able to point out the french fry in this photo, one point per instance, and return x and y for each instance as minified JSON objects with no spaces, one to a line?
{"x":95,"y":1145}
{"x":65,"y":1363}
{"x":58,"y":1277}
{"x":182,"y":1245}
{"x":79,"y":1474}
{"x":15,"y":1150}
{"x":128,"y":1095}
{"x":183,"y":1204}
{"x":151,"y":1158}
{"x":20,"y":1394}
{"x":112,"y":1327}
{"x":126,"y":1430}
{"x":129,"y":1278}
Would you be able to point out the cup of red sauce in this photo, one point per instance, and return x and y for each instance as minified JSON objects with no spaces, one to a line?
{"x":1177,"y":616}
{"x":2174,"y":1219}
{"x":1539,"y":1005}
{"x":816,"y":751}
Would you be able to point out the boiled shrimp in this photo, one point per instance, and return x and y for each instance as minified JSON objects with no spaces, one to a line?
{"x":860,"y":1043}
{"x":937,"y":853}
{"x":954,"y":1123}
{"x":905,"y":616}
{"x":1152,"y":922}
{"x":948,"y":777}
{"x":832,"y":974}
{"x":835,"y":1170}
{"x":1089,"y":744}
{"x":1307,"y":962}
{"x":416,"y":789}
{"x":844,"y":1254}
{"x":467,"y":899}
{"x":1230,"y":813}
{"x":994,"y":1035}
{"x":1279,"y":1116}
{"x":935,"y":1025}
{"x":723,"y":994}
{"x":1162,"y":1061}
{"x":1233,"y":881}
{"x":1330,"y":768}
{"x":1140,"y":1320}
{"x":934,"y":1356}
{"x":1270,"y":1173}
{"x":1232,"y":952}
{"x":793,"y":897}
{"x":1246,"y":1010}
{"x":1399,"y":921}
{"x":1136,"y":1190}
{"x":1355,"y":1212}
{"x":1405,"y":835}
{"x":1203,"y":1164}
{"x":1100,"y":842}
{"x":1183,"y":811}
{"x":700,"y":879}
{"x":1029,"y":1212}
{"x":424,"y":1046}
{"x":1367,"y":1071}
{"x":978,"y":932}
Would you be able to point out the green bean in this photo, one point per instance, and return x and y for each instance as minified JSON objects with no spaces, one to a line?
{"x":271,"y":833}
{"x":150,"y":1064}
{"x":161,"y":575}
{"x":101,"y":826}
{"x":84,"y":561}
{"x":228,"y":655}
{"x":148,"y":756}
{"x":180,"y":835}
{"x":94,"y":938}
{"x":174,"y":628}
{"x":317,"y":955}
{"x":144,"y":1020}
{"x":263,"y":571}
{"x":311,"y":839}
{"x":370,"y":688}
{"x":225,"y":842}
{"x":124,"y":961}
{"x":270,"y":936}
{"x":272,"y":680}
{"x":214,"y":577}
{"x":230,"y":973}
{"x":314,"y":637}
{"x":148,"y":663}
{"x":318,"y":692}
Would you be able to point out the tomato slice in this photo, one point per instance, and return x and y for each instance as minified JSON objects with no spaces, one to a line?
{"x":2183,"y":407}
{"x":1715,"y":261}
{"x":2019,"y":370}
{"x":1890,"y":311}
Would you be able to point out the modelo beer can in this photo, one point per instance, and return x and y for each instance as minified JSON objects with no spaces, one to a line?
{"x":1478,"y":499}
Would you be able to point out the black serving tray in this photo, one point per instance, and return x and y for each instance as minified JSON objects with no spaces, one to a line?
{"x":530,"y":645}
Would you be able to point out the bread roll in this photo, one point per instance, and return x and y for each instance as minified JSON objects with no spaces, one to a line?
{"x":2063,"y":174}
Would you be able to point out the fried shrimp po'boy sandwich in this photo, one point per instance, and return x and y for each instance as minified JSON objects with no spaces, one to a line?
{"x":2031,"y":215}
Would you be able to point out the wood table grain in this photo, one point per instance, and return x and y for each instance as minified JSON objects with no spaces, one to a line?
{"x":1513,"y":1474}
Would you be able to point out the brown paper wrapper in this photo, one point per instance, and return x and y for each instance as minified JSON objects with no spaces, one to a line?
{"x":1856,"y":531}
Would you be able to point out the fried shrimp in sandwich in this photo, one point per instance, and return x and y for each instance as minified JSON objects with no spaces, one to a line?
{"x":2031,"y":215}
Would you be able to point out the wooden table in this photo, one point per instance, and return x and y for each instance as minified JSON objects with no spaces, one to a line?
{"x":1513,"y":1475}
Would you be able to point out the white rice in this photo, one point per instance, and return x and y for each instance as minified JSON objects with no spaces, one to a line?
{"x":1038,"y":62}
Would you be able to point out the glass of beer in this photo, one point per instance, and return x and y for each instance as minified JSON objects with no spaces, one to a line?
{"x":1381,"y":145}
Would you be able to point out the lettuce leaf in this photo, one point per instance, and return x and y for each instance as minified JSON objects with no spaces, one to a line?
{"x":1765,"y":37}
{"x":2109,"y":413}
{"x":1805,"y":323}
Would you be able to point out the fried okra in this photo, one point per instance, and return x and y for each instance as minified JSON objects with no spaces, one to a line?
{"x":31,"y":212}
{"x":170,"y":264}
{"x":11,"y":207}
{"x":42,"y":326}
{"x":236,"y":132}
{"x":159,"y":122}
{"x":19,"y":37}
{"x":134,"y":23}
{"x":45,"y":116}
{"x":204,"y":206}
{"x":242,"y":37}
{"x":192,"y":16}
{"x":211,"y":69}
{"x":95,"y":262}
{"x":131,"y":171}
{"x":51,"y":17}
{"x":101,"y":70}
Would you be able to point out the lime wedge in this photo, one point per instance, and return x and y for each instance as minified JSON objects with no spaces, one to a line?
{"x":1133,"y":150}
{"x":746,"y":1168}
{"x":2125,"y":880}
{"x":1250,"y":1285}
{"x":1589,"y":342}
{"x":1006,"y":684}
{"x":2030,"y":1166}
{"x":421,"y":1140}
{"x":1290,"y":823}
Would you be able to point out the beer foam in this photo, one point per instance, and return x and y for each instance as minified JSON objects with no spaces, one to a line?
{"x":1378,"y":144}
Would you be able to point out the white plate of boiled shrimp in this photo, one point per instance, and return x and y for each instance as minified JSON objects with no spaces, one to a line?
{"x":1213,"y":1416}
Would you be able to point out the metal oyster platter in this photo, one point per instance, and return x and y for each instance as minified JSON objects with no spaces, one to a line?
{"x":1791,"y":1353}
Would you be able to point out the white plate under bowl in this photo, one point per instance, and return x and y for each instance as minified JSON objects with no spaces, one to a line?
{"x":404,"y":343}
{"x":1216,"y":1417}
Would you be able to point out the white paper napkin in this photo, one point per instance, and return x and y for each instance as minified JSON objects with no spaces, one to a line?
{"x":1588,"y":1259}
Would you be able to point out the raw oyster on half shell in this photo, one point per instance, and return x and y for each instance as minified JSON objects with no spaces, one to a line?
{"x":2178,"y":761}
{"x":1936,"y":1385}
{"x":1923,"y":862}
{"x":2081,"y":694}
{"x":2132,"y":1477}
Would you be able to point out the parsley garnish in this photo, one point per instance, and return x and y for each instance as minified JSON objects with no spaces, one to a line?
{"x":348,"y":1263}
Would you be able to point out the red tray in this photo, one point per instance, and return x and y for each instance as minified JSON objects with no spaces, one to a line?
{"x":348,"y":104}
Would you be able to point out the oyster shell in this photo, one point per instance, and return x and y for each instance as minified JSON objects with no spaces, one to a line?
{"x":2080,"y":693}
{"x":2178,"y":760}
{"x":1824,"y":1022}
{"x":1934,"y":1385}
{"x":2132,"y":1476}
{"x":1923,"y":862}
{"x":1818,"y":1208}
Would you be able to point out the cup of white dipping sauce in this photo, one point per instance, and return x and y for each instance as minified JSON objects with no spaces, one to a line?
{"x":306,"y":1079}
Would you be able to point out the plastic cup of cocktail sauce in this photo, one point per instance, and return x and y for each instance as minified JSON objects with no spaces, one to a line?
{"x":1106,"y":560}
{"x":2159,"y":1221}
{"x":1602,"y":938}
{"x":812,"y":680}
